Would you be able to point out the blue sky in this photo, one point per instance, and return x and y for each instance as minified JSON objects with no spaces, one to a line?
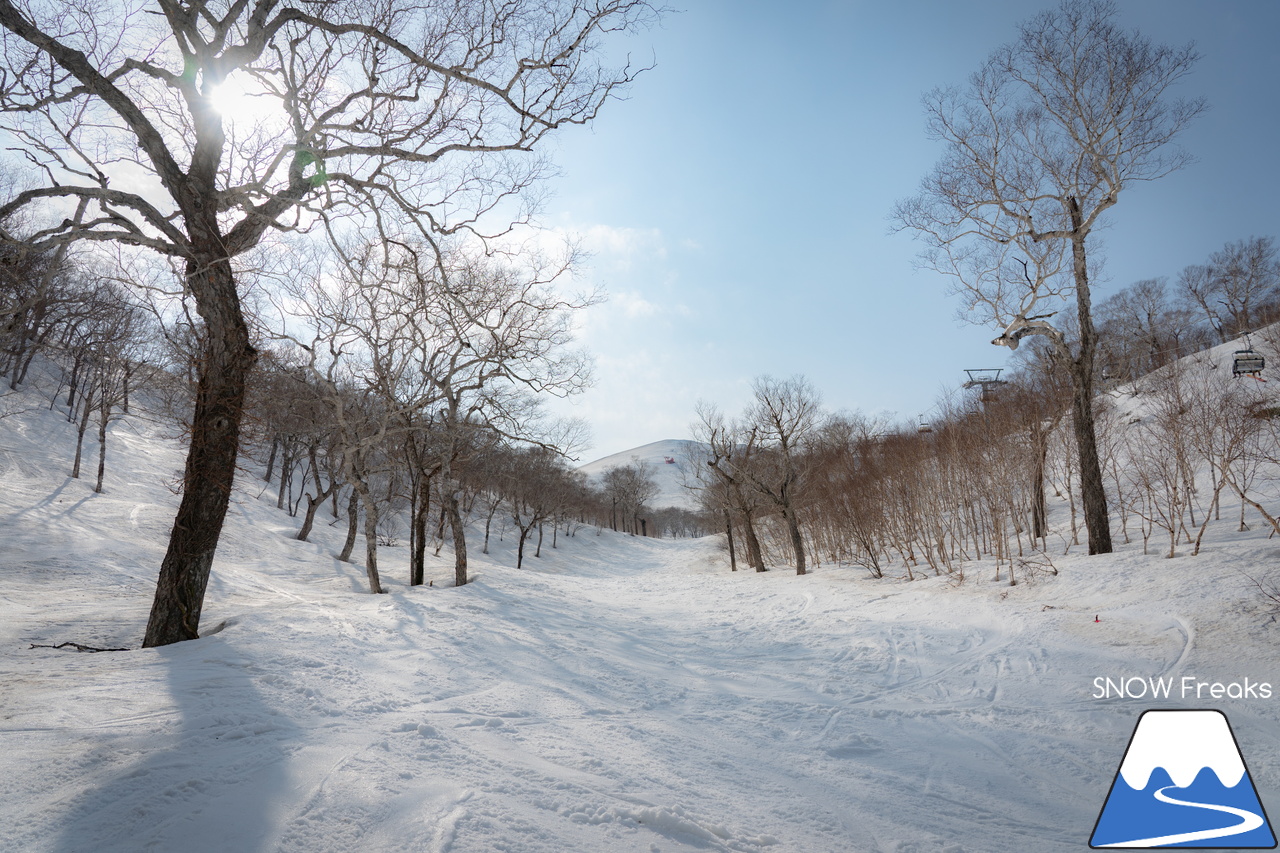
{"x":737,"y":204}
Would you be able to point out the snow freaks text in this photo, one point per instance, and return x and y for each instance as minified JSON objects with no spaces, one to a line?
{"x":1186,"y":687}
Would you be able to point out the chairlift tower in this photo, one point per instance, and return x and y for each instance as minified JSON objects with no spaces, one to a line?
{"x":986,"y":378}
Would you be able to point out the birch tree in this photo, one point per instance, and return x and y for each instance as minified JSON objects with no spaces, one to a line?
{"x":1038,"y":148}
{"x":1236,"y":288}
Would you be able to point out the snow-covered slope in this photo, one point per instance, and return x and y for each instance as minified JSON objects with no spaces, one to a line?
{"x":668,"y":460}
{"x":618,"y":694}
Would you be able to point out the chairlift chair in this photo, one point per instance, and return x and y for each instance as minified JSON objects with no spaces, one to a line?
{"x":986,"y":378}
{"x":1246,"y":362}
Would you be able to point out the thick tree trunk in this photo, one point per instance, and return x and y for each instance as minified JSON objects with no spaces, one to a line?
{"x":127,"y":381}
{"x":524,"y":534}
{"x":371,"y":541}
{"x":18,"y":352}
{"x":286,"y":472}
{"x":80,"y":431}
{"x":353,"y":524}
{"x":755,"y":556}
{"x":308,"y":520}
{"x":72,"y":385}
{"x":322,"y":494}
{"x":31,"y":356}
{"x":418,"y":532}
{"x":211,"y":458}
{"x":488,"y":525}
{"x":728,"y":532}
{"x":1039,"y":510}
{"x":459,"y":536}
{"x":1096,"y":517}
{"x":103,"y":417}
{"x":271,"y":458}
{"x":797,"y":541}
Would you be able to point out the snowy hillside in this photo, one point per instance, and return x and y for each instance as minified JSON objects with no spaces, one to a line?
{"x":668,"y":460}
{"x":618,"y":694}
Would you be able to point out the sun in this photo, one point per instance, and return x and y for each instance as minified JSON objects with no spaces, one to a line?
{"x":242,"y":98}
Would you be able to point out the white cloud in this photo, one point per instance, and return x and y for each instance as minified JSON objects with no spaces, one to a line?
{"x":622,"y":245}
{"x":634,"y":305}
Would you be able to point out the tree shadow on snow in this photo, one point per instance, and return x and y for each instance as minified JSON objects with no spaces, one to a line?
{"x":209,"y":780}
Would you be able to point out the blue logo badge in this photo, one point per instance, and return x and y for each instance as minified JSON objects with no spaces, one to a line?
{"x":1183,"y":783}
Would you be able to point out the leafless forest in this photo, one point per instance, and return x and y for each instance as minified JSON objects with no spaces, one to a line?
{"x":304,"y":239}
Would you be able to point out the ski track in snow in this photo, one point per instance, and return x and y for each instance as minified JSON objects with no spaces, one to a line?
{"x":619,"y":694}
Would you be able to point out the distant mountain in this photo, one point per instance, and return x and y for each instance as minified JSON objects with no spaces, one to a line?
{"x":669,"y":475}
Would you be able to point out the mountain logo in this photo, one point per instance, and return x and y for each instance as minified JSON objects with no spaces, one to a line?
{"x":1182,"y":783}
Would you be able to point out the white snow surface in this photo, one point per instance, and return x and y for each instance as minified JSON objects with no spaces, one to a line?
{"x":669,"y":476}
{"x":617,"y":694}
{"x":1183,"y":743}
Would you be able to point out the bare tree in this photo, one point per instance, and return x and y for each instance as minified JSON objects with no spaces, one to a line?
{"x":487,"y":475}
{"x":533,"y":482}
{"x":848,"y":506}
{"x":1238,"y":285}
{"x":629,"y":488}
{"x":288,"y":412}
{"x":34,"y":285}
{"x":455,"y":353}
{"x":783,"y":417}
{"x":109,"y":337}
{"x":1038,"y":401}
{"x":1039,"y":146}
{"x":406,"y":115}
{"x":1141,"y":329}
{"x":116,"y":358}
{"x":731,"y":450}
{"x":1221,"y":422}
{"x":1159,"y":456}
{"x":489,"y":337}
